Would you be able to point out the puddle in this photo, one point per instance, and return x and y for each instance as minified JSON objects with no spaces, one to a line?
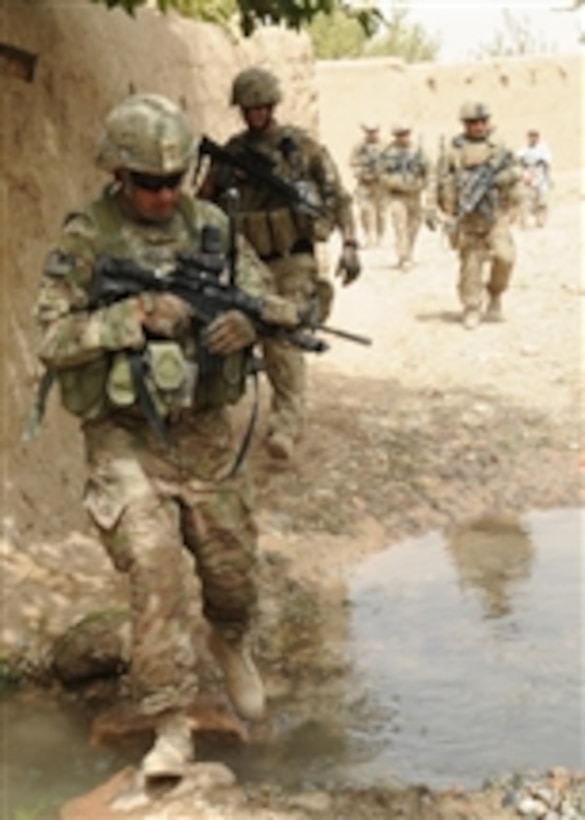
{"x":468,"y":649}
{"x":465,"y":659}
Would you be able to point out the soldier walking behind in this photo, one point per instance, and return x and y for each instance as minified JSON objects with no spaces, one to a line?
{"x":477,"y":188}
{"x":284,"y":232}
{"x":405,"y":176}
{"x":151,"y":498}
{"x":370,"y":196}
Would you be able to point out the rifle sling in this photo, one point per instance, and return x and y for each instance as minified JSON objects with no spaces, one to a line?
{"x":137,"y":369}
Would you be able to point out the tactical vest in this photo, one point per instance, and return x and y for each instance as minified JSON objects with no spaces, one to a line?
{"x":271,"y":225}
{"x":176,"y":375}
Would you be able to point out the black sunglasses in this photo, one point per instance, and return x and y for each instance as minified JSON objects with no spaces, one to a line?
{"x":155,"y":182}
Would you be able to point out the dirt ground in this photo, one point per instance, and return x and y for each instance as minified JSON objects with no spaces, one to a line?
{"x":430,"y":426}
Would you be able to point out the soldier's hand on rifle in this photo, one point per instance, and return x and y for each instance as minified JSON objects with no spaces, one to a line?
{"x":279,"y":311}
{"x":348,"y":266}
{"x":164,"y":314}
{"x":229,"y":332}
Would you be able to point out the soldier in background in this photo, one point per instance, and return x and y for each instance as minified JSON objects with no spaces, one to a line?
{"x":405,"y":176}
{"x":477,"y":189}
{"x":370,"y":197}
{"x":535,"y":159}
{"x":283,"y":234}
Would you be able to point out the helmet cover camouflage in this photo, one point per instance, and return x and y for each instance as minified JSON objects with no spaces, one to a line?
{"x":147,"y":133}
{"x":401,"y":127}
{"x":254,"y":87}
{"x":370,"y":124}
{"x":474,"y":111}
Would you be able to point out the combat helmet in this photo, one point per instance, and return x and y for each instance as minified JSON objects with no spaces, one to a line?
{"x":146,"y":133}
{"x":370,"y":124}
{"x":474,"y":111}
{"x":401,"y":127}
{"x":255,"y":87}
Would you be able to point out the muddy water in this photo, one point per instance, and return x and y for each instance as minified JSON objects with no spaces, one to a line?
{"x":464,"y":655}
{"x":468,"y":646}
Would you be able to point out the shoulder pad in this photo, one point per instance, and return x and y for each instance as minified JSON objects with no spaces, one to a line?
{"x":58,"y":263}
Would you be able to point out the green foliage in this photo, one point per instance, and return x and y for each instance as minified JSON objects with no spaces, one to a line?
{"x":338,"y":36}
{"x":401,"y":38}
{"x":514,"y":38}
{"x":253,"y":13}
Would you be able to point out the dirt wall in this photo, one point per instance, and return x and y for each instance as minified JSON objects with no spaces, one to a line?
{"x":62,"y":67}
{"x":544,"y":92}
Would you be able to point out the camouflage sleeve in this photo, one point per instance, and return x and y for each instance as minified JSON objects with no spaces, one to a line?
{"x":336,"y":198}
{"x":71,"y":333}
{"x":511,"y":174}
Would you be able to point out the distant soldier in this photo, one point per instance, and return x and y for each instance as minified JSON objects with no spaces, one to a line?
{"x":405,"y":175}
{"x":477,"y":188}
{"x":536,"y":159}
{"x":370,"y":197}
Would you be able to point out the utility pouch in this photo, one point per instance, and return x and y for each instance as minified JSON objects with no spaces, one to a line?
{"x":169,"y":378}
{"x":283,"y":229}
{"x":255,"y":227}
{"x":83,"y":389}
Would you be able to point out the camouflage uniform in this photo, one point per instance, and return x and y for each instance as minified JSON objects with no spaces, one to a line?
{"x":147,"y":499}
{"x":405,"y":174}
{"x":370,"y":195}
{"x":283,"y":236}
{"x":483,"y":235}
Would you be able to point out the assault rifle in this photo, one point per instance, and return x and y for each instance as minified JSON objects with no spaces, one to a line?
{"x":196,"y":280}
{"x":475,"y":193}
{"x":259,"y":167}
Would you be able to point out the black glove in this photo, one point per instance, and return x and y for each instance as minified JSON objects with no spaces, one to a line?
{"x":349,"y":265}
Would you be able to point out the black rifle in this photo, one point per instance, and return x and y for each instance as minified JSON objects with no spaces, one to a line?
{"x":475,"y":192}
{"x":196,"y":280}
{"x":259,"y":167}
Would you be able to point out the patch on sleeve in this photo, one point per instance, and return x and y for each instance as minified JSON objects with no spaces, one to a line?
{"x":59,"y":263}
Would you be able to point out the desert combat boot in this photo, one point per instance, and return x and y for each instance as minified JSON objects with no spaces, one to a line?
{"x":243,"y":683}
{"x":494,"y":311}
{"x":471,"y":318}
{"x":173,"y":748}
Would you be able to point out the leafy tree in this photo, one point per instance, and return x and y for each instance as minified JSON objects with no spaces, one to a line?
{"x":337,"y":36}
{"x":253,"y":13}
{"x":401,"y":38}
{"x":514,"y":39}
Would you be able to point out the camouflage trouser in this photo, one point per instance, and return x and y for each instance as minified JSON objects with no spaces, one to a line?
{"x":293,"y":277}
{"x":370,"y":199}
{"x":493,"y":246}
{"x":149,"y":503}
{"x":406,"y":215}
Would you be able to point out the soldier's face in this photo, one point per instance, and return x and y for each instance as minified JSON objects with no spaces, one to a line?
{"x":402,"y":138}
{"x":372,"y":135}
{"x":258,"y":118}
{"x":152,"y":197}
{"x":476,"y":129}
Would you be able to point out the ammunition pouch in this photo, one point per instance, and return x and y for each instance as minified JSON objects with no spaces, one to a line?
{"x":83,"y":388}
{"x":167,"y":375}
{"x":227,"y":384}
